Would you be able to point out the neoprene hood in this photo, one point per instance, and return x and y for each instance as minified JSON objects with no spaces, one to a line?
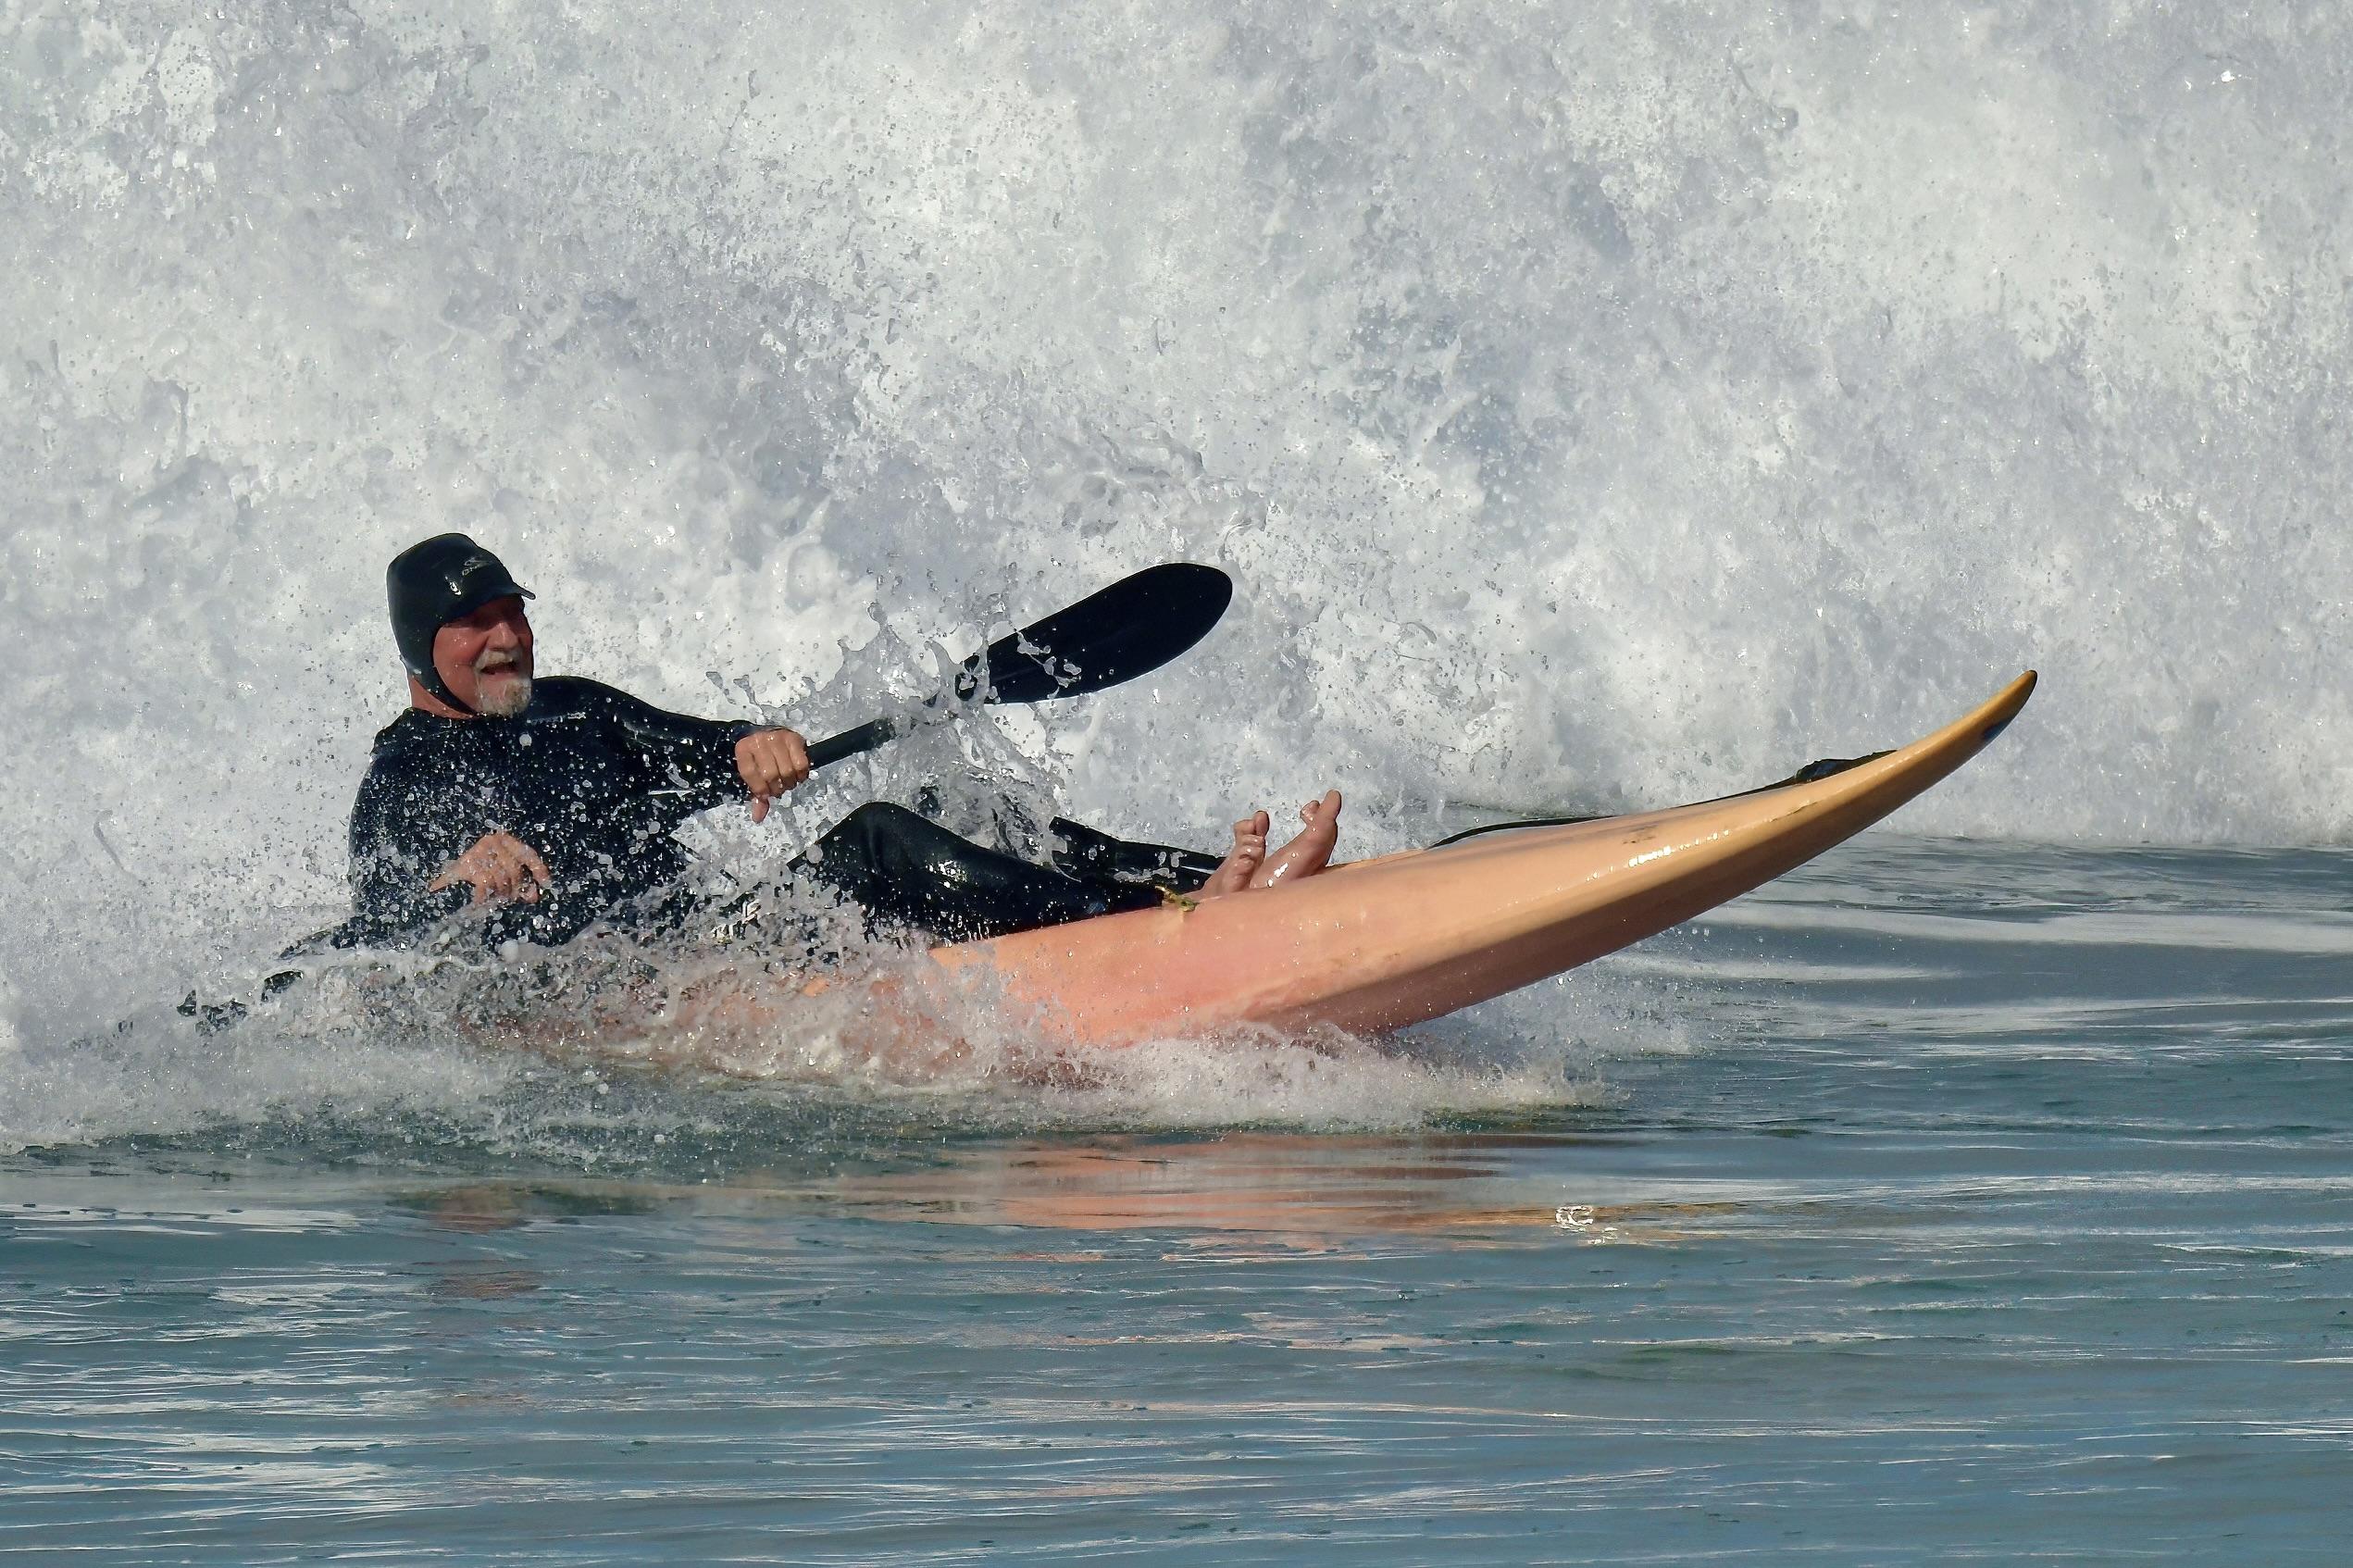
{"x":432,"y":583}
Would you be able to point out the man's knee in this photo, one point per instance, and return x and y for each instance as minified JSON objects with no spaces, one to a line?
{"x":880,"y":824}
{"x":878,"y":839}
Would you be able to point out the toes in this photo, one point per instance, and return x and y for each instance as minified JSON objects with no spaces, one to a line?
{"x":1243,"y":860}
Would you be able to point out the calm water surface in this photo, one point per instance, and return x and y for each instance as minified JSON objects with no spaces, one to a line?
{"x":1945,"y":1202}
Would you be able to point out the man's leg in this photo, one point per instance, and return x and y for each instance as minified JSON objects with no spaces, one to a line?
{"x":1095,"y":856}
{"x":906,"y":871}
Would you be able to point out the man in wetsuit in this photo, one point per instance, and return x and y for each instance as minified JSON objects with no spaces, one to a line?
{"x":557,"y":798}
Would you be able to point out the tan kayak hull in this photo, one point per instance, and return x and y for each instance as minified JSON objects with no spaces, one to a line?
{"x":1385,"y":943}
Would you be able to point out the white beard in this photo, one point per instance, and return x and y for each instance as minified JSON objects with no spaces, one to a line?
{"x":506,"y":699}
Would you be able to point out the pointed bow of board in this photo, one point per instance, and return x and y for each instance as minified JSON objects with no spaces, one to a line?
{"x":1384,"y":943}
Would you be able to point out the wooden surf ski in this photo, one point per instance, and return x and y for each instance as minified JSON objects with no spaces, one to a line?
{"x":1385,"y":943}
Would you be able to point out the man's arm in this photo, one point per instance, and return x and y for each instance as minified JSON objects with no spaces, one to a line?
{"x":712,"y":761}
{"x":421,"y":851}
{"x":397,"y":850}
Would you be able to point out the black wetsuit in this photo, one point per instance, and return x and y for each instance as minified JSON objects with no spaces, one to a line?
{"x":596,"y":780}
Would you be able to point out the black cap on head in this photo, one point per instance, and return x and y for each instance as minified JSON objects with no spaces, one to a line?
{"x":432,"y":583}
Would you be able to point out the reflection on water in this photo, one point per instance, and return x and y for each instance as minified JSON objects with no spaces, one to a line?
{"x":1306,"y":1190}
{"x":1463,"y":1189}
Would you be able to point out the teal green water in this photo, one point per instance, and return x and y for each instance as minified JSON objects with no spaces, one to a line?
{"x":1947,"y":1202}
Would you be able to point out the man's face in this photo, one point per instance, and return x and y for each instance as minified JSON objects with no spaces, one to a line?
{"x":485,"y":658}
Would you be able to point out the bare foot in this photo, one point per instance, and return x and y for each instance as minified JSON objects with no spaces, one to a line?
{"x":1241,"y":862}
{"x":1312,"y":850}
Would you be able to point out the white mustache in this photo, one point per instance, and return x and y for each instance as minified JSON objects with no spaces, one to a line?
{"x":490,"y":662}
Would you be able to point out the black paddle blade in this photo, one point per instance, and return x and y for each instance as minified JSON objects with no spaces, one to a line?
{"x":1134,"y":625}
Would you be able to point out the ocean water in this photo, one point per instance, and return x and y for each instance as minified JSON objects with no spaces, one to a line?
{"x":1598,"y":406}
{"x":1944,"y":1202}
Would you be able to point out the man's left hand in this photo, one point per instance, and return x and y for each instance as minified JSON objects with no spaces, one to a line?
{"x":770,"y":762}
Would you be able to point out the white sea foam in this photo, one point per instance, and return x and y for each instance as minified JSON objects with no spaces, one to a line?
{"x":526,"y":1059}
{"x":1595,"y":405}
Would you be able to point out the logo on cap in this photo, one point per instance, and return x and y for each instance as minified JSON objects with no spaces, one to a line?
{"x":472,"y":564}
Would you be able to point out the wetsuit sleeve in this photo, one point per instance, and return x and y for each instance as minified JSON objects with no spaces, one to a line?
{"x":695,"y":756}
{"x":398,"y":841}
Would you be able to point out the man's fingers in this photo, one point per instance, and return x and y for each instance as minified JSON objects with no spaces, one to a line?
{"x":783,"y":764}
{"x":795,"y":757}
{"x":499,"y":866}
{"x":771,"y":761}
{"x":521,"y":872}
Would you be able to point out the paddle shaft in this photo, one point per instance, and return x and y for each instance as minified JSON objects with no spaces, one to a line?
{"x":849,"y":742}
